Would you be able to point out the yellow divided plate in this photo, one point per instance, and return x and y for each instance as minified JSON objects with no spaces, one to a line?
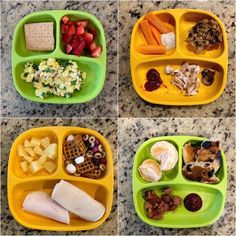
{"x":19,"y":184}
{"x":181,"y":21}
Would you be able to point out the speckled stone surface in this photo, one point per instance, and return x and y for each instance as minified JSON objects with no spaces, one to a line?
{"x":139,"y":130}
{"x":129,"y":13}
{"x":14,"y":127}
{"x":13,"y":105}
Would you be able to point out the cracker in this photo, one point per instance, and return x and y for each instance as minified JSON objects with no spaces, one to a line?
{"x":95,"y":173}
{"x":39,"y":36}
{"x":71,"y":150}
{"x":85,"y":167}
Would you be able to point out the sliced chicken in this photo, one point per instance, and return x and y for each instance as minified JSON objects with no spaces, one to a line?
{"x":41,"y":204}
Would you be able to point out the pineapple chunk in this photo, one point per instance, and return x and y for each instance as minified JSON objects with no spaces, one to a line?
{"x":45,"y":142}
{"x":49,"y":166}
{"x":42,"y":160}
{"x":30,"y":151}
{"x":21,"y":151}
{"x":24,"y":166}
{"x":38,"y":150}
{"x":35,"y":167}
{"x":35,"y":141}
{"x":27,"y":143}
{"x":27,"y":158}
{"x":51,"y":151}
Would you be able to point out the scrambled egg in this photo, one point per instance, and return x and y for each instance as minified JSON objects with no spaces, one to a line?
{"x":52,"y":76}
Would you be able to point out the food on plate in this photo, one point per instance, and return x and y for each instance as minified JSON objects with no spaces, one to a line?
{"x":84,"y":156}
{"x":154,"y":80}
{"x":156,"y":206}
{"x":54,"y":76}
{"x":157,"y":34}
{"x":193,"y":202}
{"x":77,"y":201}
{"x":165,"y":153}
{"x":41,"y":204}
{"x":168,"y":40}
{"x":205,"y":35}
{"x":208,"y":77}
{"x":39,"y":36}
{"x":186,"y":78}
{"x":201,"y":161}
{"x":37,"y":154}
{"x":79,"y":38}
{"x":150,"y":170}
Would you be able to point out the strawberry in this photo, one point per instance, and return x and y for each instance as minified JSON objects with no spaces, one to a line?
{"x":92,"y":47}
{"x":64,"y":28}
{"x":66,"y":38}
{"x":70,"y":22}
{"x":78,"y":50}
{"x":75,"y":43}
{"x":88,"y":38}
{"x":97,"y":52}
{"x":82,"y":22}
{"x":71,"y":30}
{"x":65,"y":19}
{"x":93,"y":32}
{"x":68,"y":48}
{"x":79,"y":30}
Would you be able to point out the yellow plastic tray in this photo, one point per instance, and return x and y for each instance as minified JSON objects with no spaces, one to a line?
{"x":19,"y":185}
{"x":181,"y":21}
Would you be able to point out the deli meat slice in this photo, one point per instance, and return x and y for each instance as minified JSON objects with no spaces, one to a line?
{"x":40,"y":203}
{"x":77,"y":201}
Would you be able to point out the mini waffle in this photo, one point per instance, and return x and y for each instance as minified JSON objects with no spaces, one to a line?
{"x":95,"y":173}
{"x":84,"y":167}
{"x":72,"y":150}
{"x":80,"y":143}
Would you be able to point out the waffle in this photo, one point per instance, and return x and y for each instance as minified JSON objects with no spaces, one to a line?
{"x":80,"y":143}
{"x":84,"y":167}
{"x":72,"y":150}
{"x":94,"y":174}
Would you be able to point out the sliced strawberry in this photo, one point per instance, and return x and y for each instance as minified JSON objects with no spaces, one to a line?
{"x":92,"y":47}
{"x":66,"y":38}
{"x":68,"y":48}
{"x":78,"y":50}
{"x":97,"y":52}
{"x":71,"y":30}
{"x":70,"y":22}
{"x":75,"y":43}
{"x":65,"y":19}
{"x":93,"y":31}
{"x":82,"y":22}
{"x":88,"y":38}
{"x":64,"y":28}
{"x":79,"y":30}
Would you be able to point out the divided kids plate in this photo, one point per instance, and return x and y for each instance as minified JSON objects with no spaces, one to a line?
{"x":94,"y":67}
{"x":19,"y":184}
{"x":180,"y":21}
{"x":213,"y":195}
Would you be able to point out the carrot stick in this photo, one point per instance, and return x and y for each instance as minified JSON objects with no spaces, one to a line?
{"x":156,"y":34}
{"x":157,"y":23}
{"x":152,"y":49}
{"x":147,"y":32}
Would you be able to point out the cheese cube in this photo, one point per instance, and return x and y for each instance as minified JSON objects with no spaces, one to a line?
{"x":49,"y":166}
{"x":35,"y":167}
{"x":35,"y":141}
{"x":38,"y":150}
{"x":24,"y":166}
{"x":51,"y":151}
{"x":45,"y":142}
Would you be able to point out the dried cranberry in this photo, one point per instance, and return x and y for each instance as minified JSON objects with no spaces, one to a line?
{"x":193,"y":202}
{"x":152,"y":73}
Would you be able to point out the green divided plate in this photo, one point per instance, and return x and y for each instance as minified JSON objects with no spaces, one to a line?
{"x":94,"y":67}
{"x":213,"y":195}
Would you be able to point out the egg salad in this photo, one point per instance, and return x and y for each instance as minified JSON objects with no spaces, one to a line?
{"x":53,"y":76}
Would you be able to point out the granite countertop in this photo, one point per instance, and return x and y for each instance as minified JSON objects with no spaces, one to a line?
{"x":14,"y":127}
{"x":130,"y":12}
{"x":139,"y":130}
{"x":13,"y":105}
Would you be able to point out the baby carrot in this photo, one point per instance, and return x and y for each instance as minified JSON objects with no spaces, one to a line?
{"x":156,"y":34}
{"x":157,"y":23}
{"x":147,"y":32}
{"x":152,"y":49}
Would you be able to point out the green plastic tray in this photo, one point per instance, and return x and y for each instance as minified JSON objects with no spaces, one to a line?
{"x":94,"y":67}
{"x":213,"y":195}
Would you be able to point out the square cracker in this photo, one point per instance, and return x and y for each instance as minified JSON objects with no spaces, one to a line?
{"x":39,"y":36}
